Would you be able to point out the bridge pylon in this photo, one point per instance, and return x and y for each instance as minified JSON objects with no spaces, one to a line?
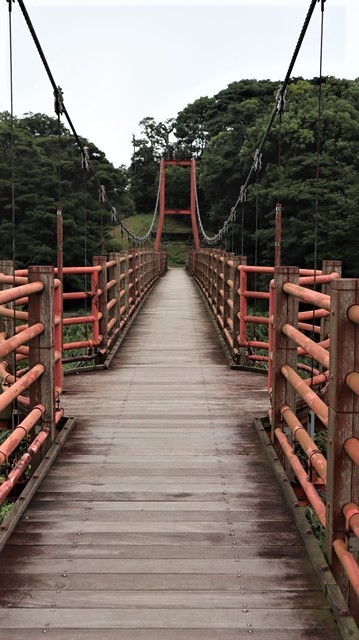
{"x":192,"y":209}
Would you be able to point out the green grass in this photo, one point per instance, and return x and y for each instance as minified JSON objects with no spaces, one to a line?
{"x":139,"y":224}
{"x":4,"y":509}
{"x":317,"y":528}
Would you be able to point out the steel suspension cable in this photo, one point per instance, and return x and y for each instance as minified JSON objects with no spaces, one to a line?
{"x":318,"y":153}
{"x":277,"y":109}
{"x":319,"y":135}
{"x":61,"y":109}
{"x":15,"y":412}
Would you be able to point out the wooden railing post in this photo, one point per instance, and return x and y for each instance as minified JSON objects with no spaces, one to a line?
{"x":114,"y":273}
{"x":125,"y":299}
{"x":343,"y":473}
{"x":328,"y":266}
{"x":102,"y":307}
{"x":227,"y":311}
{"x":241,"y":309}
{"x":42,"y":348}
{"x":284,"y":350}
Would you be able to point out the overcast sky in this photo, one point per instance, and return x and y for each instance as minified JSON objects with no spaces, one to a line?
{"x":119,"y":62}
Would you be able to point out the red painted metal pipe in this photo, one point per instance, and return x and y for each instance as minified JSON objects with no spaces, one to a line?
{"x":111,"y":284}
{"x":59,"y":413}
{"x":257,"y":319}
{"x":318,"y":379}
{"x":7,"y":397}
{"x":78,"y":295}
{"x":256,"y":295}
{"x":351,"y":514}
{"x":318,"y":279}
{"x":8,"y":295}
{"x":111,"y":324}
{"x":321,"y":300}
{"x":13,"y":280}
{"x":352,"y":381}
{"x":80,"y":344}
{"x":80,"y":270}
{"x":324,"y":343}
{"x":310,"y":315}
{"x":348,"y":563}
{"x":308,"y":488}
{"x":22,"y":465}
{"x":12,"y":343}
{"x":81,"y":319}
{"x":308,"y":345}
{"x":303,"y":326}
{"x":21,"y":431}
{"x":307,"y":367}
{"x":310,"y":397}
{"x":5,"y":376}
{"x":315,"y":457}
{"x":351,"y":447}
{"x":255,"y":344}
{"x":310,"y":272}
{"x":111,"y":304}
{"x":251,"y":269}
{"x":353,"y":313}
{"x":9,"y":313}
{"x":258,"y":358}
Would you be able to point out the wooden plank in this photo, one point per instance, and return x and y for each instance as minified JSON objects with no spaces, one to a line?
{"x":176,"y":634}
{"x":161,"y":518}
{"x":199,"y":599}
{"x":36,"y":618}
{"x":13,"y":552}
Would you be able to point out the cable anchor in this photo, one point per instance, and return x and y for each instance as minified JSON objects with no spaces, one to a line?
{"x":243,"y":194}
{"x":257,"y":160}
{"x":102,"y":194}
{"x":59,"y":101}
{"x":280,"y":100}
{"x":85,"y":159}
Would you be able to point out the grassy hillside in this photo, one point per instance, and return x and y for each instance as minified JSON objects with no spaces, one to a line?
{"x":176,"y":249}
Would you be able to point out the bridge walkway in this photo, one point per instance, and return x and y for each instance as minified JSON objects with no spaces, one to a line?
{"x":161,"y":518}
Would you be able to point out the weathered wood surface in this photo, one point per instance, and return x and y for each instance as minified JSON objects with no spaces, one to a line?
{"x":161,"y":519}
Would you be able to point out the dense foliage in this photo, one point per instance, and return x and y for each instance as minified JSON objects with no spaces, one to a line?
{"x":223,"y":133}
{"x":47,"y":165}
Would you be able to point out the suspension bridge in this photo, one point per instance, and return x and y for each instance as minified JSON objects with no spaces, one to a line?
{"x":162,"y":476}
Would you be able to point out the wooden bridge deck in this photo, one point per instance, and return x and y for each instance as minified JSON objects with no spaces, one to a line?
{"x":161,"y":519}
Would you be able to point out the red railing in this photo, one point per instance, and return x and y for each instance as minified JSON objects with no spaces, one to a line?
{"x":31,"y":337}
{"x":311,"y":351}
{"x":29,"y":396}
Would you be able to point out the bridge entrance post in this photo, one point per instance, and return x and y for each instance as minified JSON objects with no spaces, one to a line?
{"x":343,"y":428}
{"x":42,"y":350}
{"x":162,"y":200}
